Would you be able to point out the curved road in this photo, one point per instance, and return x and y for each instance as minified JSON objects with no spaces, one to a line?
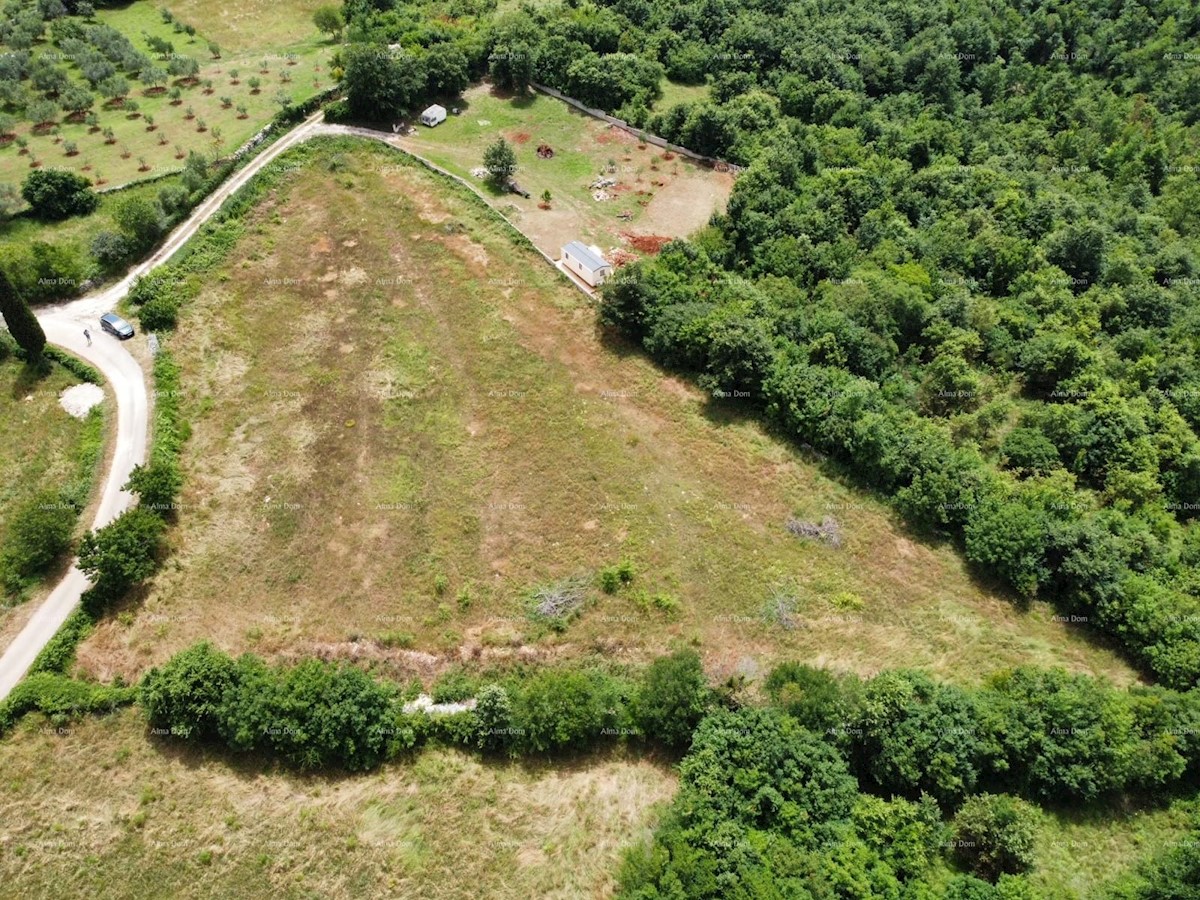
{"x":64,"y":325}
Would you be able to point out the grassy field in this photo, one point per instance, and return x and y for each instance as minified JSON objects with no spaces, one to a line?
{"x":250,"y":26}
{"x":402,"y":422}
{"x":66,"y":447}
{"x":136,"y":150}
{"x":102,"y":810}
{"x":1077,"y":851}
{"x":673,"y":94}
{"x":665,"y":197}
{"x":29,"y":407}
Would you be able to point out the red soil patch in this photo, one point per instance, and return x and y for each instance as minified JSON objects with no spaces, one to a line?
{"x":619,"y":257}
{"x":646,"y":243}
{"x":521,"y":137}
{"x":614,"y":135}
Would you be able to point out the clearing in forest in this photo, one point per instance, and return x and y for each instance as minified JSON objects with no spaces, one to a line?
{"x":402,"y":422}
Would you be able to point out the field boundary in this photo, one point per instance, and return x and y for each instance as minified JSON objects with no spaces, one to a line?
{"x":721,"y":165}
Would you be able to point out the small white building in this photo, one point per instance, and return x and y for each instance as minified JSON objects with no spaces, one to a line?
{"x":434,"y":115}
{"x":586,"y":262}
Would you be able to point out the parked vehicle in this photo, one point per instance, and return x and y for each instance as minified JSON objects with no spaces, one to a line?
{"x":116,"y":326}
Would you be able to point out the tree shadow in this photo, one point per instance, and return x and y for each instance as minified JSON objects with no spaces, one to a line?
{"x":29,"y":375}
{"x":515,"y":99}
{"x":616,"y":342}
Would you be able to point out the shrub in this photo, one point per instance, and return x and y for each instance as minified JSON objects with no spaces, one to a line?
{"x":994,"y":834}
{"x":111,"y":249}
{"x":908,"y":836}
{"x":454,"y":686}
{"x":328,"y":19}
{"x":60,"y":698}
{"x":494,"y":728}
{"x":185,"y":697}
{"x":610,"y":580}
{"x":561,"y":710}
{"x":914,"y":735}
{"x":141,"y":220}
{"x":336,"y":111}
{"x":759,"y":768}
{"x":122,"y":553}
{"x":157,"y":485}
{"x":814,"y":697}
{"x":40,"y":271}
{"x":152,"y":284}
{"x":159,"y":314}
{"x":500,"y":161}
{"x":38,"y":533}
{"x":58,"y":654}
{"x":1064,"y":737}
{"x":318,"y":715}
{"x":54,"y":194}
{"x":672,"y":699}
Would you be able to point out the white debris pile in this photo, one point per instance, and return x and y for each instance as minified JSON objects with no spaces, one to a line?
{"x":80,"y":399}
{"x":479,"y":172}
{"x":424,"y":703}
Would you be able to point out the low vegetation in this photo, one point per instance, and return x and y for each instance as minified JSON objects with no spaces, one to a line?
{"x":442,"y":824}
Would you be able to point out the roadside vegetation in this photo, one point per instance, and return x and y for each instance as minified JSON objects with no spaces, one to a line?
{"x":43,"y":493}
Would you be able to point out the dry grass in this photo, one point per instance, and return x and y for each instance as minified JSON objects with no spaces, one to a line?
{"x":101,"y":810}
{"x":251,"y":25}
{"x":385,"y":390}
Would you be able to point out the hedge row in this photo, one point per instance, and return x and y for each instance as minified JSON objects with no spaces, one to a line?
{"x":318,"y":715}
{"x":61,"y":698}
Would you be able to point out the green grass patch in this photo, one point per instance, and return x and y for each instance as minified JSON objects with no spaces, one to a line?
{"x":674,"y":93}
{"x":68,"y":449}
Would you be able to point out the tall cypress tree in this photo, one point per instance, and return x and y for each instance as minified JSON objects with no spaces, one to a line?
{"x":20,"y":320}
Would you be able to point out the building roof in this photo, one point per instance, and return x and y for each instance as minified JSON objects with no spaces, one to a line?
{"x":436,"y":110}
{"x":586,"y":255}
